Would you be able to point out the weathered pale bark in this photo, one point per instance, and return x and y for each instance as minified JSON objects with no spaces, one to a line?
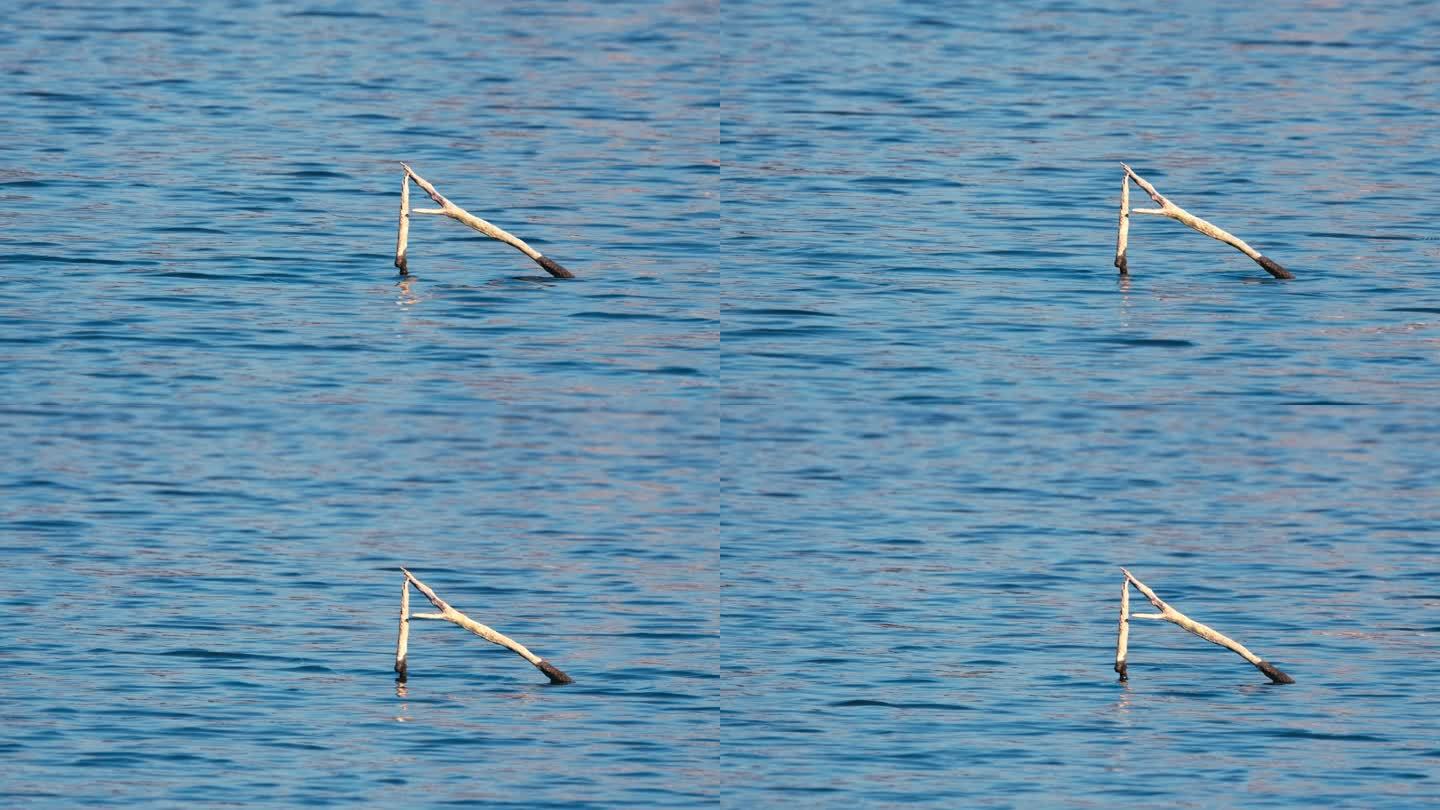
{"x":464,"y":217}
{"x":402,"y":645}
{"x":1123,"y":239}
{"x":1175,"y":212}
{"x":402,"y":239}
{"x":1123,"y":642}
{"x":1210,"y":634}
{"x":491,"y":635}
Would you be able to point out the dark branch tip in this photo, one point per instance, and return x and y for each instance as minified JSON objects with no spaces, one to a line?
{"x":1273,"y":267}
{"x":1272,"y":673}
{"x":553,"y":673}
{"x":553,"y":267}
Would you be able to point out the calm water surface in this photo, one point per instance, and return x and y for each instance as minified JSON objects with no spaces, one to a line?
{"x":228,"y":425}
{"x":816,"y":479}
{"x":947,"y":424}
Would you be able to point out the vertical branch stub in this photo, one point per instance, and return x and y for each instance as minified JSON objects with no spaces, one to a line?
{"x":402,"y":238}
{"x":1122,"y":239}
{"x":402,"y":644}
{"x":1122,"y":643}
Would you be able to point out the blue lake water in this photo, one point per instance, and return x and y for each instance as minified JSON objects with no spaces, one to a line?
{"x":818,"y":477}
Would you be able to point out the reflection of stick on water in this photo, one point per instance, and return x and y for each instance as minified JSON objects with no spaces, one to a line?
{"x":464,"y":217}
{"x":1175,"y":212}
{"x":454,"y":616}
{"x":1174,"y":616}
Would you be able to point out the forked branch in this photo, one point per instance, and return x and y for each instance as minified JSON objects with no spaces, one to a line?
{"x":454,"y":616}
{"x":1179,"y":619}
{"x":464,"y":217}
{"x":1175,"y":212}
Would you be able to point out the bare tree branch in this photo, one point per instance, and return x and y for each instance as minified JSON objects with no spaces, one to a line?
{"x":1175,"y":212}
{"x":459,"y":619}
{"x":1179,"y":619}
{"x":464,"y":217}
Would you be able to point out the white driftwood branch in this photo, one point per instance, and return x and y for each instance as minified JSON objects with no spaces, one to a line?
{"x":495,"y":232}
{"x":491,"y":635}
{"x":402,"y":239}
{"x":1121,"y":243}
{"x":1175,"y":212}
{"x":1211,"y":635}
{"x":1122,"y":643}
{"x":402,"y":645}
